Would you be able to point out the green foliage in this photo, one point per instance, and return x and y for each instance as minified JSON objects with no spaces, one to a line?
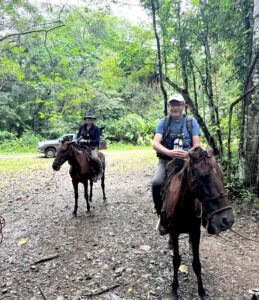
{"x":131,"y":128}
{"x":86,"y":65}
{"x":10,"y":143}
{"x":6,"y":136}
{"x":237,"y":190}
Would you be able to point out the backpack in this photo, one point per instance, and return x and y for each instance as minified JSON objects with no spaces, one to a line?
{"x":167,"y":120}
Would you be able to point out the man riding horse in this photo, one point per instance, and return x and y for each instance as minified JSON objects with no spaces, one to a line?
{"x":175,"y":135}
{"x":89,"y":135}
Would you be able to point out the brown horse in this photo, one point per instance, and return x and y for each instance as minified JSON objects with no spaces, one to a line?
{"x":200,"y":178}
{"x":80,"y":169}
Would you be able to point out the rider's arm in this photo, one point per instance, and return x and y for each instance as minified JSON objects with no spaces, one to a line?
{"x":95,"y":139}
{"x":195,"y":134}
{"x":79,"y":132}
{"x":178,"y":153}
{"x":195,"y":141}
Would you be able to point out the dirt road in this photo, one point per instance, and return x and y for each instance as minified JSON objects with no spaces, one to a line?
{"x":113,"y":252}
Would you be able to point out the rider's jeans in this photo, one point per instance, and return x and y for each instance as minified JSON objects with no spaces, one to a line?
{"x":157,"y":183}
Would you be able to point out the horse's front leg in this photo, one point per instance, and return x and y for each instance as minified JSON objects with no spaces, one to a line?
{"x":86,"y":194}
{"x":103,"y":186}
{"x":176,"y":263}
{"x":195,"y":241}
{"x":75,"y":185}
{"x":91,"y":190}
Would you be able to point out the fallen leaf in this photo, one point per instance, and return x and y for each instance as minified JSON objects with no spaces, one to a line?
{"x":130,"y":290}
{"x":183,"y":269}
{"x":22,"y":241}
{"x":145,"y":247}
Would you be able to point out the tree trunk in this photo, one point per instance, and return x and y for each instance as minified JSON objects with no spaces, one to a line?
{"x":214,"y":117}
{"x":159,"y":56}
{"x":250,"y":146}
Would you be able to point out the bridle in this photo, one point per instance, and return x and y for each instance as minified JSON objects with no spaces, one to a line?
{"x":195,"y":183}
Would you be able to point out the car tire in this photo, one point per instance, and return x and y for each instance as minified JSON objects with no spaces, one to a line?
{"x":50,"y":152}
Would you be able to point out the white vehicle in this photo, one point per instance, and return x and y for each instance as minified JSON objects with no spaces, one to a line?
{"x":49,"y":147}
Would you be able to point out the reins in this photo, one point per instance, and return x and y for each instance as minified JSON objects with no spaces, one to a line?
{"x":239,"y":234}
{"x":243,"y":236}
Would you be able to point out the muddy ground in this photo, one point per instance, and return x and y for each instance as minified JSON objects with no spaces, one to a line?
{"x":112,"y":252}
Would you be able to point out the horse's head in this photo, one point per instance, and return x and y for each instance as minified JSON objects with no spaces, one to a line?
{"x":207,"y":181}
{"x":62,"y":155}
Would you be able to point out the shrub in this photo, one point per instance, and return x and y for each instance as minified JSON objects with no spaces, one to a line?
{"x":131,"y":128}
{"x":237,"y":190}
{"x":6,"y":136}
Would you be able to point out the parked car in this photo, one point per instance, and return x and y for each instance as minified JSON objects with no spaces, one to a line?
{"x":49,"y":147}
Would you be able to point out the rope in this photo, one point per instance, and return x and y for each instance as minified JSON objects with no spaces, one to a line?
{"x":243,"y":236}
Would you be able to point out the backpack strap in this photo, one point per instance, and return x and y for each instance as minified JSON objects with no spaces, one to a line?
{"x":166,"y":124}
{"x":189,"y":126}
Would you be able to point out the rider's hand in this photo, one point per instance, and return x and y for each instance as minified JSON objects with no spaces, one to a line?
{"x":83,"y":141}
{"x":178,"y":153}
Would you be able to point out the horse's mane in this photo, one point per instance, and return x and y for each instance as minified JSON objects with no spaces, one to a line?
{"x":184,"y":172}
{"x":172,"y":171}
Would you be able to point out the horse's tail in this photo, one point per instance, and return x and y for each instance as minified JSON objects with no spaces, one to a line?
{"x":102,"y":158}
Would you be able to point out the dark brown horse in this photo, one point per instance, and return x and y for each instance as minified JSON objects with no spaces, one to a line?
{"x":80,"y":169}
{"x":200,"y":178}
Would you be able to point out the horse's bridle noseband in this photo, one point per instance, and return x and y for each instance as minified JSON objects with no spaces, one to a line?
{"x":209,"y":216}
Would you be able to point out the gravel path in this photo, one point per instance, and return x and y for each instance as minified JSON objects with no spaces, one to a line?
{"x":112,"y":252}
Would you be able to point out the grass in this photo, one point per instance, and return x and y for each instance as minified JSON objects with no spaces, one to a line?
{"x":31,"y":149}
{"x":15,"y":164}
{"x":12,"y":163}
{"x":125,"y":147}
{"x":130,"y":161}
{"x":17,"y":149}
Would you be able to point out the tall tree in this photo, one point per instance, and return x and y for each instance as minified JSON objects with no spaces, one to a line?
{"x":250,"y":145}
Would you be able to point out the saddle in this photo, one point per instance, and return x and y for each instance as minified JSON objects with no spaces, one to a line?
{"x":95,"y":165}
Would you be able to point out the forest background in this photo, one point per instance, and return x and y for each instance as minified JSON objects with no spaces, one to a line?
{"x":59,"y":61}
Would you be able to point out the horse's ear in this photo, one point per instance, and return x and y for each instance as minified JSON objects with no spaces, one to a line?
{"x":194,"y":152}
{"x":210,"y":151}
{"x":65,"y":140}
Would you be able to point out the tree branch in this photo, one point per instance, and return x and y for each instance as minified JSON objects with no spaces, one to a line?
{"x":31,"y":31}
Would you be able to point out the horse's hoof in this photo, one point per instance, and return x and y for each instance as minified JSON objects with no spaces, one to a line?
{"x":174,"y":296}
{"x":74,"y":214}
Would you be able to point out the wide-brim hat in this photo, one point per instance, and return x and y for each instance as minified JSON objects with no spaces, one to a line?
{"x":89,"y":116}
{"x":176,"y":97}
